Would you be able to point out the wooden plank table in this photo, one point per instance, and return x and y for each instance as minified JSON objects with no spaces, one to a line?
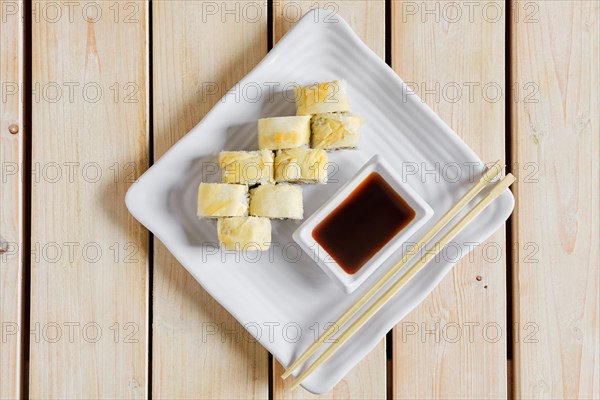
{"x":93,"y":92}
{"x":12,"y":134}
{"x":190,"y":360}
{"x":464,"y":85}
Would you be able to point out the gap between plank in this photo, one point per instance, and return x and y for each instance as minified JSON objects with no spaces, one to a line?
{"x":509,"y":223}
{"x":388,"y":33}
{"x":150,"y":246}
{"x":389,"y":348}
{"x":27,"y":188}
{"x":270,"y":25}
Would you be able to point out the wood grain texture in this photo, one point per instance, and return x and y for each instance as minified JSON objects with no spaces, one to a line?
{"x":367,"y":18}
{"x":201,"y":49}
{"x":368,"y":379}
{"x":89,"y":285}
{"x":12,"y":133}
{"x":454,"y":344}
{"x":555,"y":136}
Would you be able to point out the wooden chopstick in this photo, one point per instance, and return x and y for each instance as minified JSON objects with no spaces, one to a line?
{"x":496,"y":191}
{"x":486,"y":178}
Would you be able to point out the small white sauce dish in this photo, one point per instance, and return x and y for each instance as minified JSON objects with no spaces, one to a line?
{"x":350,"y":282}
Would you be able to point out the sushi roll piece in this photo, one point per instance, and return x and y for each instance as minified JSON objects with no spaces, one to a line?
{"x":331,"y":131}
{"x":244,"y":233}
{"x":280,"y":201}
{"x":247,"y":167}
{"x":283,"y":132}
{"x":301,"y":165}
{"x":222,"y":200}
{"x":321,"y":98}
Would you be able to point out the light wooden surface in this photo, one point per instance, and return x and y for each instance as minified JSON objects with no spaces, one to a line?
{"x":442,"y":60}
{"x":367,"y":18}
{"x":199,"y":351}
{"x":12,"y":134}
{"x":556,"y":143}
{"x":368,"y":379}
{"x":89,"y":267}
{"x":200,"y":49}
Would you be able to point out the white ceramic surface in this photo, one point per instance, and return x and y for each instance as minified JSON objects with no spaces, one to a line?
{"x":284,"y":286}
{"x":350,"y":282}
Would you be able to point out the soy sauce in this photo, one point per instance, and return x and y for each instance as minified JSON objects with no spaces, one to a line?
{"x":363,"y":223}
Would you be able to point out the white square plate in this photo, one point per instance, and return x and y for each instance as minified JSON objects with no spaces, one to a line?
{"x":284,"y":285}
{"x":349,"y":282}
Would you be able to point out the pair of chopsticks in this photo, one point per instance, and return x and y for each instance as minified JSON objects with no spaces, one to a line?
{"x":496,"y":191}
